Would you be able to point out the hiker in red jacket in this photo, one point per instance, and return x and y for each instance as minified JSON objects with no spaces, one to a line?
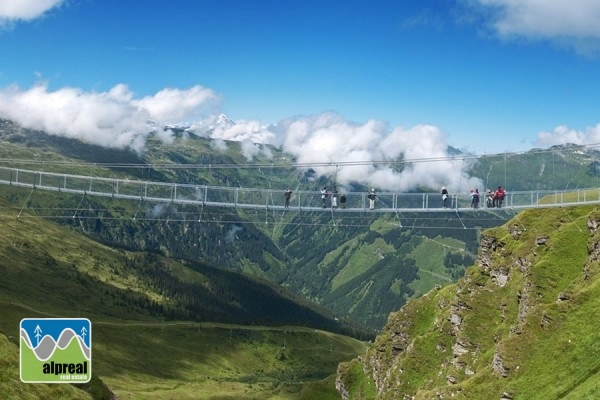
{"x":499,"y":195}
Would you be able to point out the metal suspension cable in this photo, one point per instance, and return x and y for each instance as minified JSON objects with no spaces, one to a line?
{"x":187,"y":214}
{"x":459,"y":185}
{"x":26,"y":201}
{"x":273,"y":165}
{"x":180,"y":220}
{"x":78,"y":206}
{"x":398,"y":218}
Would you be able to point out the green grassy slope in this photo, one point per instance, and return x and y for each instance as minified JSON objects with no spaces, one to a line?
{"x":11,"y":386}
{"x":41,"y":261}
{"x":134,"y":301}
{"x":521,"y":323}
{"x":296,"y":250}
{"x":331,"y":259}
{"x":167,"y":360}
{"x":558,"y":168}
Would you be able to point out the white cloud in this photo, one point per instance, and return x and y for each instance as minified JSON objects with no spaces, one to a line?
{"x":219,"y":145}
{"x":243,"y":130}
{"x":112,"y":119}
{"x":174,"y":104}
{"x":12,"y":10}
{"x":572,"y":22}
{"x":117,"y":119}
{"x":250,"y":150}
{"x":563,"y":135}
{"x":540,"y":18}
{"x":329,"y":139}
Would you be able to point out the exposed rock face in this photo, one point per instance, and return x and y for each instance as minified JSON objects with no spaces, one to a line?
{"x":516,"y":231}
{"x":399,"y":341}
{"x":341,"y":387}
{"x":498,"y":366}
{"x":487,"y":247}
{"x":481,"y":326}
{"x":592,"y":225}
{"x":593,"y":261}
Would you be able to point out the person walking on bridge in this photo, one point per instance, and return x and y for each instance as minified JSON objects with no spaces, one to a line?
{"x":372,"y":197}
{"x":444,"y":197}
{"x":334,"y":197}
{"x":499,"y":195}
{"x":475,"y":198}
{"x":287,"y":195}
{"x":489,"y":197}
{"x":343,"y":200}
{"x":324,"y":195}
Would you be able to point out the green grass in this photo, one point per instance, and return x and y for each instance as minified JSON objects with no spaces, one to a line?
{"x":49,"y":271}
{"x":359,"y":385}
{"x":365,"y":258}
{"x":429,"y":257}
{"x":165,"y":360}
{"x":550,"y":349}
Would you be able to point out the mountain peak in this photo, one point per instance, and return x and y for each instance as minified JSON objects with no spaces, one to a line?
{"x":223,"y":120}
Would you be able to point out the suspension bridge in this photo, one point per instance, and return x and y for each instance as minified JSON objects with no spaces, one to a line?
{"x":272,"y":199}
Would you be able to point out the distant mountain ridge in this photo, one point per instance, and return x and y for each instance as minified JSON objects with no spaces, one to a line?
{"x":202,"y":128}
{"x":147,"y":284}
{"x":359,"y":267}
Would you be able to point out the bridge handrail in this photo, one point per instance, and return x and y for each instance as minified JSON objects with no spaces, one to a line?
{"x":189,"y":193}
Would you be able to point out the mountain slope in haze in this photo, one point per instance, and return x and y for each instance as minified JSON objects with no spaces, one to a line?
{"x":280,"y":249}
{"x":359,"y":266}
{"x":162,"y":328}
{"x":40,"y":261}
{"x":521,"y":323}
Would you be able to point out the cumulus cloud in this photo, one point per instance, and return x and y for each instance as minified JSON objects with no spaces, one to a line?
{"x":364,"y":153}
{"x":563,"y":134}
{"x":250,"y":150}
{"x":328,"y":143}
{"x":112,"y":119}
{"x":25,"y":10}
{"x":219,"y":145}
{"x":243,"y":130}
{"x":173,"y":104}
{"x":572,"y":22}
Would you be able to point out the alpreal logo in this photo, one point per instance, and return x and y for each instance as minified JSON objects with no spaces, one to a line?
{"x":56,"y":350}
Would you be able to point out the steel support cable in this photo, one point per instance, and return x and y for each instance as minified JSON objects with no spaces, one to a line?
{"x":272,"y":165}
{"x":459,"y":185}
{"x":79,"y":205}
{"x":137,"y":209}
{"x":25,"y":204}
{"x":83,"y":217}
{"x":398,"y":218}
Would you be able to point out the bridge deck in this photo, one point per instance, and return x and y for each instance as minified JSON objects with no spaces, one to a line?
{"x":257,"y":198}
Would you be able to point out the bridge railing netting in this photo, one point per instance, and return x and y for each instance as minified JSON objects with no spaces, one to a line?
{"x":257,"y":197}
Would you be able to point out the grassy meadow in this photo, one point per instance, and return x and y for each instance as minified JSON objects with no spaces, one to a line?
{"x":186,"y":360}
{"x":50,"y":271}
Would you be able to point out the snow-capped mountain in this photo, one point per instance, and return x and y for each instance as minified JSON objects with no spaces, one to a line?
{"x":223,"y":120}
{"x":202,"y":128}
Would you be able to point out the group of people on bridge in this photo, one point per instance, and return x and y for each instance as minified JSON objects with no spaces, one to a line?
{"x":494,"y":199}
{"x":335,"y":196}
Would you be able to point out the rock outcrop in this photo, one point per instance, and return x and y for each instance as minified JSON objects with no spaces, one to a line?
{"x":476,"y":338}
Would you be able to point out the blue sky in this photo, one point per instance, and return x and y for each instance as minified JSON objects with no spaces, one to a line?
{"x":488,"y":75}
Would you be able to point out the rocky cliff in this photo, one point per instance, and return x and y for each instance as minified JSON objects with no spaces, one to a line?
{"x":522,"y":323}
